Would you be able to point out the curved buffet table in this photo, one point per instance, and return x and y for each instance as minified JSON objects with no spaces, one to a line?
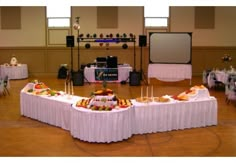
{"x":118,"y":124}
{"x":102,"y":126}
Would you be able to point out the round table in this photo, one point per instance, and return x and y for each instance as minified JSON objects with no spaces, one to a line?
{"x":14,"y":72}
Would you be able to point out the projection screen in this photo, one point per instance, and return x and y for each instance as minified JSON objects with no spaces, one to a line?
{"x":173,"y":47}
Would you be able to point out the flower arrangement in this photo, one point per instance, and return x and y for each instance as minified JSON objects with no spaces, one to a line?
{"x":226,"y":58}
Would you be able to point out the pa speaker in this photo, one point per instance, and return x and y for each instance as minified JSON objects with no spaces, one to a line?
{"x":111,"y":62}
{"x":70,"y":41}
{"x":78,"y":78}
{"x":134,"y":78}
{"x":142,"y":40}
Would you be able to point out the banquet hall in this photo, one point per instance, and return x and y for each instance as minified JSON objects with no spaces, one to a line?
{"x":137,"y":63}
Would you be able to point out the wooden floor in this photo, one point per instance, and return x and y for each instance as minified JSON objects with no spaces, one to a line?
{"x":21,"y":136}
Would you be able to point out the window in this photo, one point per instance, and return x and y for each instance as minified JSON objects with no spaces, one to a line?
{"x":58,"y":22}
{"x":57,"y":18}
{"x":156,"y":22}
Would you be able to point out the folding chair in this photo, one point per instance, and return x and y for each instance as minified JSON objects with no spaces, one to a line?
{"x":6,"y":84}
{"x":2,"y":87}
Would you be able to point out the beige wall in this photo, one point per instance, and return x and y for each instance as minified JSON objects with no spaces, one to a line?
{"x":182,"y":20}
{"x":29,"y":43}
{"x":32,"y":32}
{"x":130,"y":20}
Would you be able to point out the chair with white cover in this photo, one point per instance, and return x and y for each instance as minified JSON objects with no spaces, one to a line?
{"x":205,"y":75}
{"x":213,"y":82}
{"x":230,"y":89}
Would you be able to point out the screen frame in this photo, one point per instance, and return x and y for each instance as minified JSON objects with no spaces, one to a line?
{"x":168,"y":33}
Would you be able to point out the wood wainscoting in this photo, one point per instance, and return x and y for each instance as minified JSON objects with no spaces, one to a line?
{"x":47,"y":60}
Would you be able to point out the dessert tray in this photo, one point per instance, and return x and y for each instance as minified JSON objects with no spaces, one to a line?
{"x":39,"y":88}
{"x":162,"y":99}
{"x":192,"y":94}
{"x":103,"y":100}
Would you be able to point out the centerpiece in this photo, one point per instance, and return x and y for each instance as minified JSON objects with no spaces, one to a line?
{"x":103,"y":100}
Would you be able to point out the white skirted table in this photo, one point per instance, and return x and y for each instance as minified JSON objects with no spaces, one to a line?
{"x":14,"y":72}
{"x":170,"y":72}
{"x":118,"y":124}
{"x":102,"y":126}
{"x":123,"y":73}
{"x":159,"y":117}
{"x":52,"y":110}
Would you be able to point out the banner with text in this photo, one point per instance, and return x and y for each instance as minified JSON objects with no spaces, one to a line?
{"x":106,"y":74}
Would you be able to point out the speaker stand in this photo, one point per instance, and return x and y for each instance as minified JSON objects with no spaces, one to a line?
{"x":142,"y":75}
{"x":71,"y":60}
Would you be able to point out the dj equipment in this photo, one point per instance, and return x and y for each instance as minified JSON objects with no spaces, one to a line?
{"x":142,"y":40}
{"x":134,"y":78}
{"x":111,"y":62}
{"x":70,"y":41}
{"x":78,"y":78}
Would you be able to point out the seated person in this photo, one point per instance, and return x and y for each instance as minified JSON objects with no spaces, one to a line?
{"x":13,"y":61}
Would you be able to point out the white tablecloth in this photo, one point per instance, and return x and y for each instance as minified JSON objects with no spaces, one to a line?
{"x":123,"y":73}
{"x":52,"y":110}
{"x":220,"y":76}
{"x":158,"y":117}
{"x":170,"y":72}
{"x":102,"y":126}
{"x":117,"y":125}
{"x":14,"y":72}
